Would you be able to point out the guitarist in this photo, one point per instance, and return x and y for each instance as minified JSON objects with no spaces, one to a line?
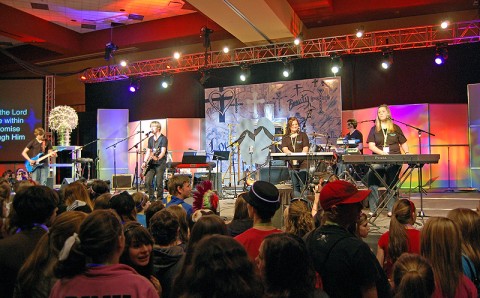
{"x":155,"y":161}
{"x":34,"y":147}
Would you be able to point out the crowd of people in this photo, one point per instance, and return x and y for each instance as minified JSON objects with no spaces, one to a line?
{"x":79,"y":242}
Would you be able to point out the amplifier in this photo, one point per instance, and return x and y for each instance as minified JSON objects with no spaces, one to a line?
{"x":122,"y":181}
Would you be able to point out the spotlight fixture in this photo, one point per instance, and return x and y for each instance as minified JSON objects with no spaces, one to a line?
{"x":336,"y":63}
{"x":110,"y":48}
{"x":387,"y":59}
{"x":123,"y":63}
{"x":244,"y":72}
{"x":166,"y":80}
{"x":360,"y":32}
{"x":134,"y":85}
{"x":205,"y":34}
{"x":444,"y":24}
{"x":441,"y":54}
{"x":204,"y":75}
{"x":287,"y":68}
{"x":226,"y":50}
{"x":176,"y":55}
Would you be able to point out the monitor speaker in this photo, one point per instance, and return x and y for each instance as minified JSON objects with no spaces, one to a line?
{"x":122,"y":181}
{"x":66,"y":181}
{"x":274,"y":175}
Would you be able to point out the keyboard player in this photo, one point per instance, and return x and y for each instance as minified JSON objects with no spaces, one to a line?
{"x":384,"y":138}
{"x":353,"y":134}
{"x":296,"y":141}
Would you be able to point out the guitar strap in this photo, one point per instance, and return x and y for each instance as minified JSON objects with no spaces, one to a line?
{"x":43,"y":146}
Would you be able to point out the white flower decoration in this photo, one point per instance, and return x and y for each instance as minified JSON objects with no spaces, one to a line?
{"x":62,"y":118}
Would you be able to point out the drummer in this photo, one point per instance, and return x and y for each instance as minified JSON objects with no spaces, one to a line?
{"x":353,"y":134}
{"x":296,"y":141}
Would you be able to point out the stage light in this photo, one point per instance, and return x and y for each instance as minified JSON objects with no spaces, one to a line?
{"x":123,"y":63}
{"x":445,"y":24}
{"x":176,"y":55}
{"x":336,"y":63}
{"x":298,"y":39}
{"x":166,"y":80}
{"x":360,"y":32}
{"x":134,"y":85}
{"x":204,"y":75}
{"x":226,"y":50}
{"x":441,"y":54}
{"x":110,"y":48}
{"x":205,"y":33}
{"x":387,"y":59}
{"x":244,"y":72}
{"x":287,"y":68}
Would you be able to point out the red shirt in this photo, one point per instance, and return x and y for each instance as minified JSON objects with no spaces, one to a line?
{"x":413,"y":236}
{"x":252,"y":238}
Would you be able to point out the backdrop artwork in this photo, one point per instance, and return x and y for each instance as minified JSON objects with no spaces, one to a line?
{"x":317,"y":103}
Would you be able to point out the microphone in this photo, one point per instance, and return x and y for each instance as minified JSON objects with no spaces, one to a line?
{"x":148,"y":133}
{"x":367,"y":121}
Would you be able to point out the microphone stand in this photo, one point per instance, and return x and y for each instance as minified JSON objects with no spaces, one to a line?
{"x":420,"y":180}
{"x":136,"y":159}
{"x":115,"y":182}
{"x":76,"y":157}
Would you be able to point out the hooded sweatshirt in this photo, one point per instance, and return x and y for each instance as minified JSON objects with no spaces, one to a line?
{"x":110,"y":280}
{"x":166,"y":265}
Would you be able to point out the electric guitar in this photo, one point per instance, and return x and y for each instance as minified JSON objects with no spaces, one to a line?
{"x":148,"y":163}
{"x":31,"y":168}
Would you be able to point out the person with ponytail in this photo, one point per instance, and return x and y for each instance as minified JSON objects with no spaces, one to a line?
{"x":413,"y":277}
{"x":400,"y":238}
{"x":89,"y":262}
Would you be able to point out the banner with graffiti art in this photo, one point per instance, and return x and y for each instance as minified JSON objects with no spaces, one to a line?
{"x":231,"y":112}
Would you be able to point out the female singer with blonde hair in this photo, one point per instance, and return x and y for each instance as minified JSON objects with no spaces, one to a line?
{"x":384,"y":138}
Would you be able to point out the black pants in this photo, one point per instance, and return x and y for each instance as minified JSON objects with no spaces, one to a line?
{"x":157,"y":171}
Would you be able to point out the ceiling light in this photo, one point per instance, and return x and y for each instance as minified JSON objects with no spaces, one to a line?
{"x":287,"y":69}
{"x":166,"y":80}
{"x":244,"y":72}
{"x":441,"y":54}
{"x":336,"y":63}
{"x":134,"y":85}
{"x":123,"y":63}
{"x":360,"y":32}
{"x":387,"y":59}
{"x":176,"y":55}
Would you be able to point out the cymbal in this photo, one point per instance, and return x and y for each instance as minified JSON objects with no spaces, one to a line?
{"x":318,"y":135}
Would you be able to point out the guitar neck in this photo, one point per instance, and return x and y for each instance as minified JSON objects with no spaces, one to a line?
{"x":46,"y":156}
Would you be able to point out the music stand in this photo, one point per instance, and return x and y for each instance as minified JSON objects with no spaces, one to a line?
{"x":220,"y":155}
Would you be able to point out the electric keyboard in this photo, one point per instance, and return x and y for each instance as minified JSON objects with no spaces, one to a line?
{"x":302,"y":155}
{"x":392,"y":159}
{"x":180,"y":165}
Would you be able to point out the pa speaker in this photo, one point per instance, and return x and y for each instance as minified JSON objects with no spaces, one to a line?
{"x":275,"y":174}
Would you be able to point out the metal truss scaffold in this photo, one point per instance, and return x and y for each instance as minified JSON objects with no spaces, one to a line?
{"x":395,"y":39}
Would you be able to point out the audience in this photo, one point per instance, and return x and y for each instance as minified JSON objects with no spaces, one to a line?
{"x":206,"y":225}
{"x":141,"y":204}
{"x":286,"y":268}
{"x":152,"y":209}
{"x":263,"y":201}
{"x":345,"y":263}
{"x":468,"y":223}
{"x":298,"y":218}
{"x":36,"y":278}
{"x":241,"y":221}
{"x":221,"y":268}
{"x":413,"y":277}
{"x":124,"y":205}
{"x":89,"y":262}
{"x":102,"y":201}
{"x":138,"y":252}
{"x":167,"y":252}
{"x":441,"y":246}
{"x":400,"y":238}
{"x":179,"y":188}
{"x":34,"y":208}
{"x":76,"y":197}
{"x":361,"y":227}
{"x":181,"y":214}
{"x":97,"y":188}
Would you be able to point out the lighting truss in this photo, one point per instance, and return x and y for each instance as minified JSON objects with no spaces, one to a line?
{"x":397,"y":39}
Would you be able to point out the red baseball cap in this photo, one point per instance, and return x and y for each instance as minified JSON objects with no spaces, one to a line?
{"x":341,"y":192}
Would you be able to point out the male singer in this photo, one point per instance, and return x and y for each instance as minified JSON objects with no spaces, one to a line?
{"x":296,"y":141}
{"x":155,"y":160}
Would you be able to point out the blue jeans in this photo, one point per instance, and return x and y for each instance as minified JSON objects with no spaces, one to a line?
{"x":298,"y":181}
{"x":40,"y":174}
{"x":390,"y":175}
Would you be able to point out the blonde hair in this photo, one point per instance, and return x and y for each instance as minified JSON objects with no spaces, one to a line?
{"x":299,"y":220}
{"x":156,"y":123}
{"x":378,"y":125}
{"x":441,"y":245}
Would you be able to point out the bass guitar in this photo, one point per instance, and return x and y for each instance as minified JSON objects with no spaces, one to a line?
{"x":148,"y":163}
{"x":38,"y":158}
